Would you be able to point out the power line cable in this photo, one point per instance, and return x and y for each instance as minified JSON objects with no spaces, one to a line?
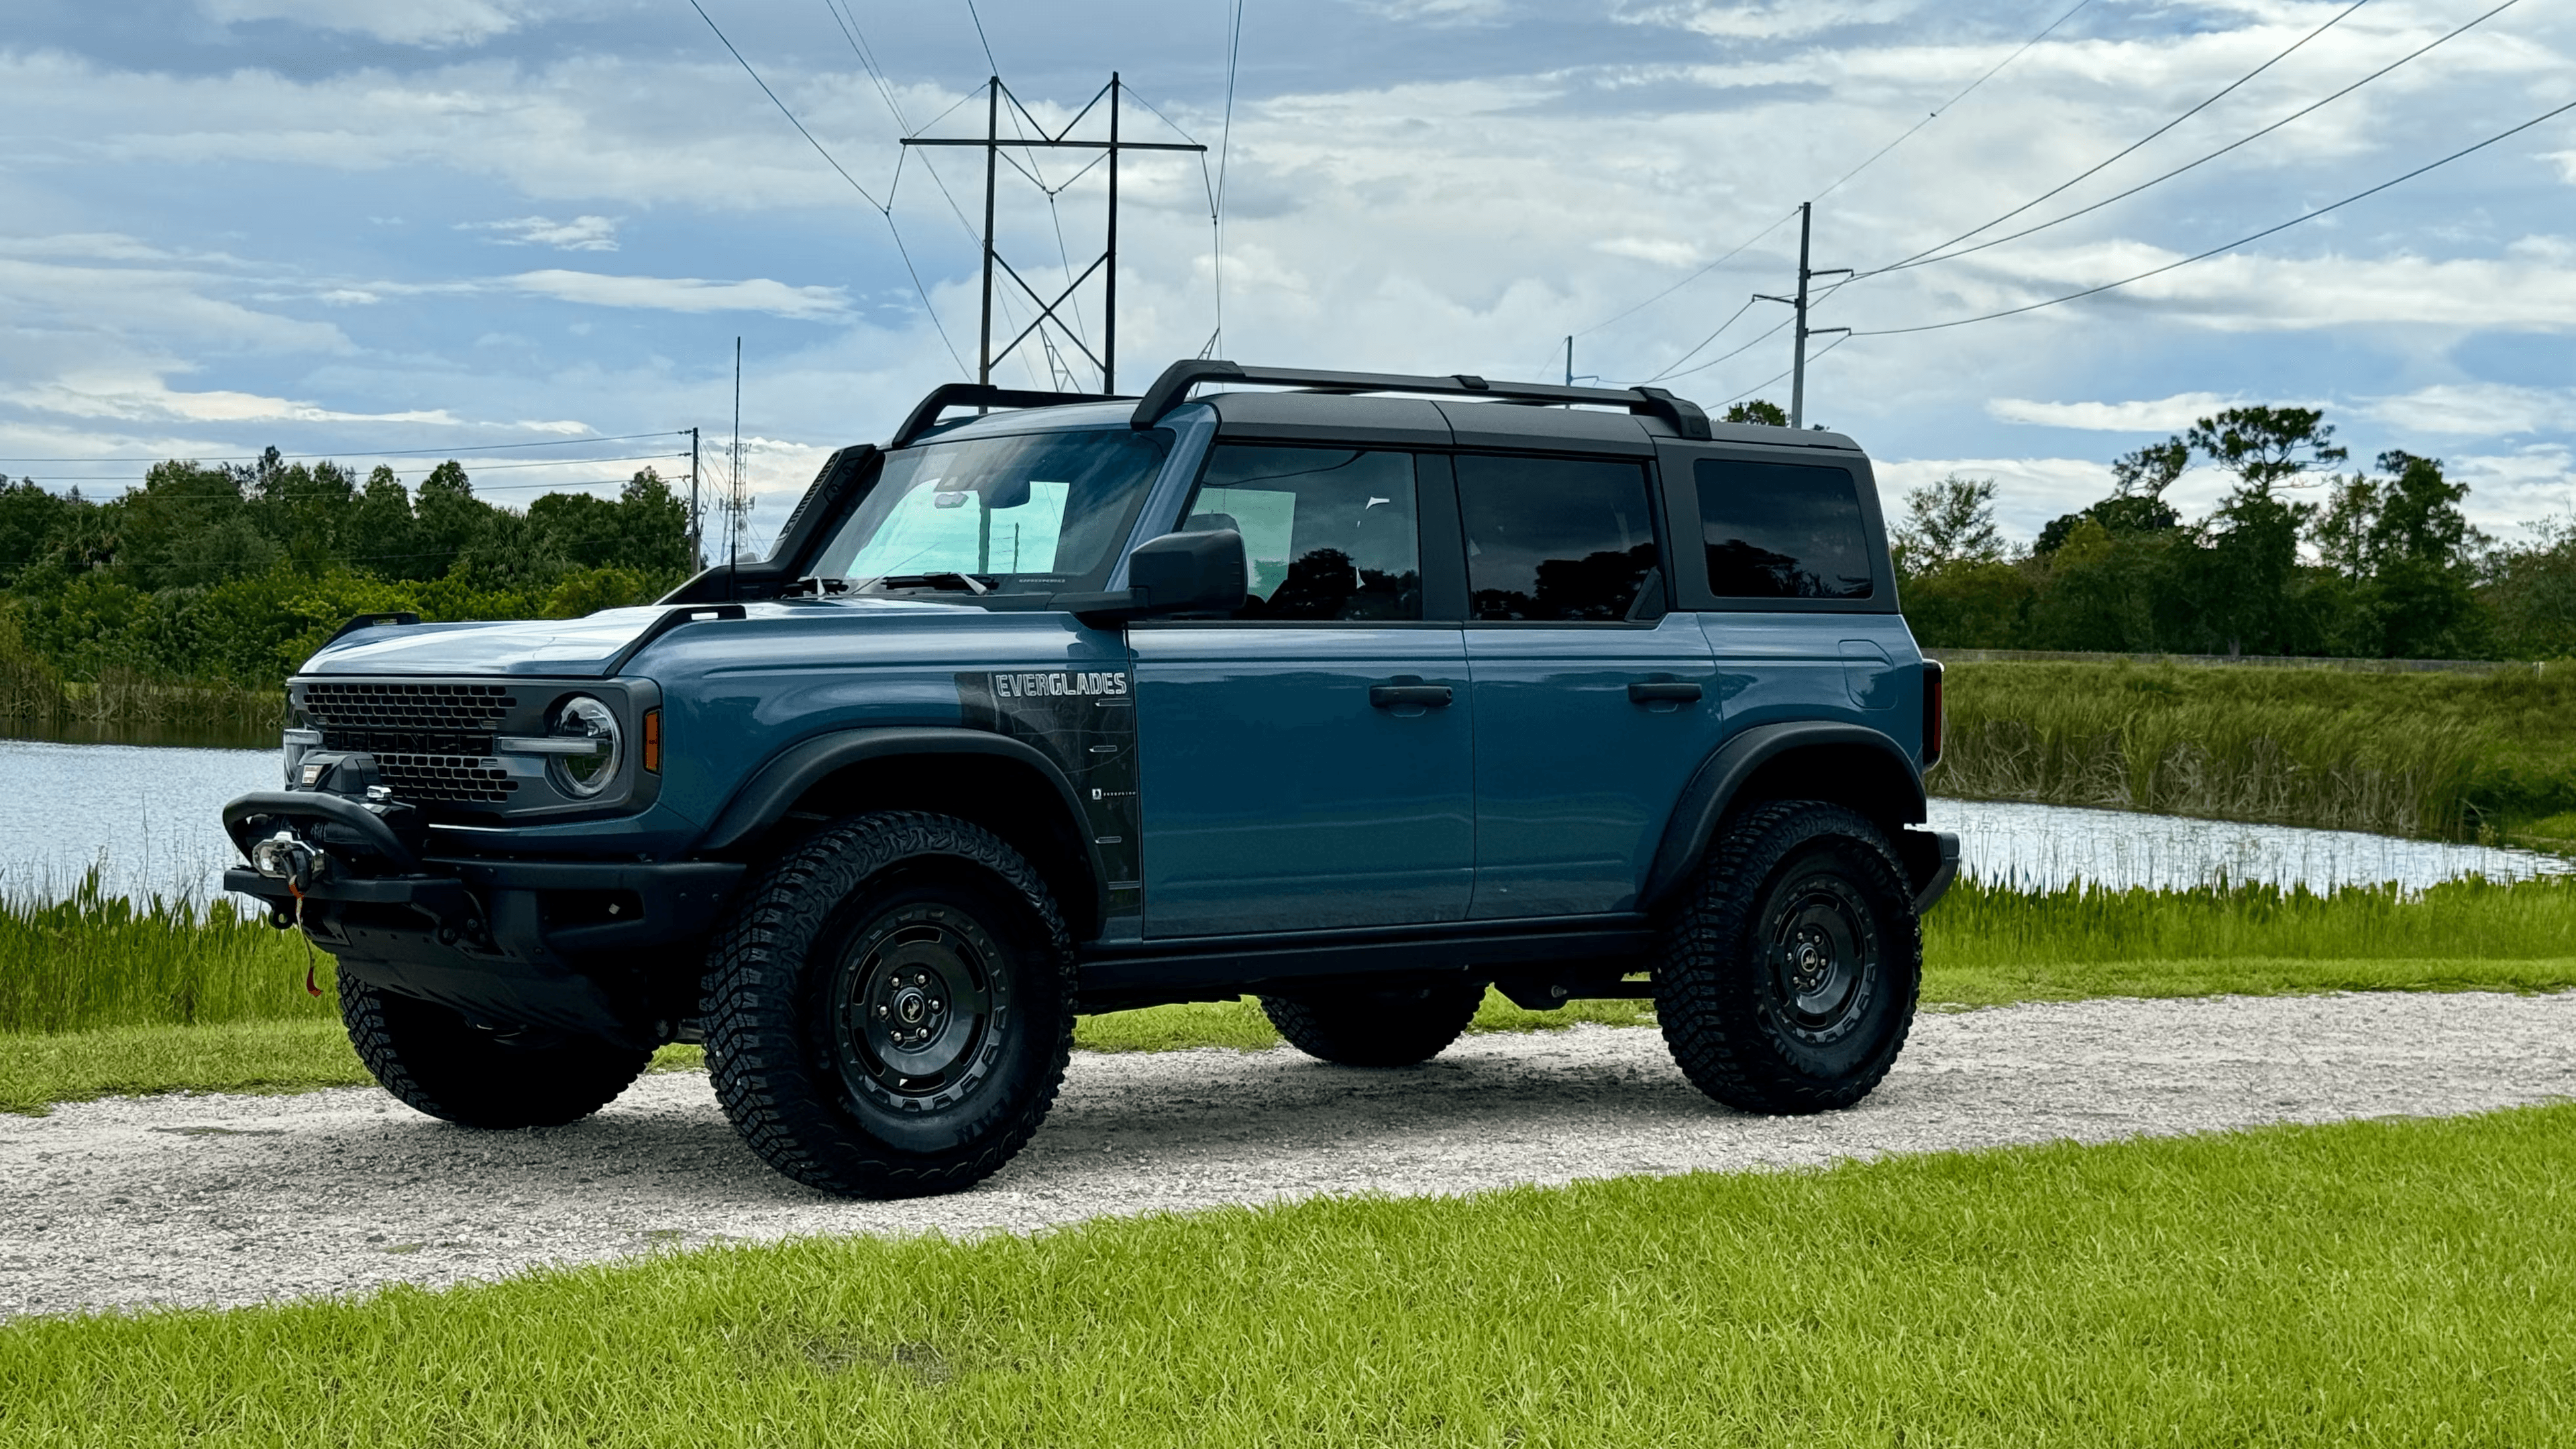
{"x":1774,"y":330}
{"x":884,"y":209}
{"x":1216,"y":200}
{"x":1946,"y":105}
{"x":1784,"y":372}
{"x":2336,"y":19}
{"x":1749,"y":242}
{"x":1925,"y":259}
{"x":2230,"y":246}
{"x":1703,"y":342}
{"x":980,"y":38}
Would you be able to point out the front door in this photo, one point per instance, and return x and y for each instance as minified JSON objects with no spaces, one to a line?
{"x":1307,"y":764}
{"x":1593,"y":705}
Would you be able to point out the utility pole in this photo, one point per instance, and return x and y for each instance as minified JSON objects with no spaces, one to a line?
{"x":733,"y":505}
{"x":1569,"y":362}
{"x":997,"y":268}
{"x":697,"y":529}
{"x":1798,"y":358}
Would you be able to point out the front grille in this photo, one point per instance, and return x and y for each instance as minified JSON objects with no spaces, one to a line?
{"x":446,"y":778}
{"x":392,"y":720}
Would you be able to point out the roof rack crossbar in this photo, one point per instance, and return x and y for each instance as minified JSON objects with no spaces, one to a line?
{"x":1171,"y":389}
{"x":979,"y":395}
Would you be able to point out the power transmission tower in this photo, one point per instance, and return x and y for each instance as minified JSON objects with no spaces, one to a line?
{"x":1798,"y":362}
{"x":994,"y":144}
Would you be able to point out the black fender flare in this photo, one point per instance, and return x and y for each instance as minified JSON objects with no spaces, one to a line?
{"x":1712,"y":790}
{"x":774,"y":788}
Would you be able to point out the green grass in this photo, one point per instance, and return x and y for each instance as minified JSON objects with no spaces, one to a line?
{"x":1982,"y":947}
{"x":2409,"y":754}
{"x":2371,"y":1283}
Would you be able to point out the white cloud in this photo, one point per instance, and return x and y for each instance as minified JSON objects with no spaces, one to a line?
{"x":145,"y":398}
{"x":685,"y":294}
{"x":399,"y":22}
{"x":2478,"y":409}
{"x":2153,"y":415}
{"x":1769,"y":19}
{"x":2028,"y":491}
{"x":581,"y":234}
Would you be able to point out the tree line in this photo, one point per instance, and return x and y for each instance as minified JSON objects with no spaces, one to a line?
{"x":232,"y":574}
{"x":2302,"y":556}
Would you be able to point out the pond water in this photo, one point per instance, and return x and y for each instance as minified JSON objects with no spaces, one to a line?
{"x":149,"y":818}
{"x":2043,"y":847}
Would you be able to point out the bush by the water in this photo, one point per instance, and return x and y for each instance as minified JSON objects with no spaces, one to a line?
{"x":2450,"y":755}
{"x":208,"y":582}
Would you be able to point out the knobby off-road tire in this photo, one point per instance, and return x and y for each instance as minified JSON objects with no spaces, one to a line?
{"x":437,"y":1062}
{"x":890,"y":1010}
{"x":1394,"y":1028}
{"x":1788,"y":978}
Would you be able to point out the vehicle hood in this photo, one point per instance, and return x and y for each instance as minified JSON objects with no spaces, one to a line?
{"x":550,"y":648}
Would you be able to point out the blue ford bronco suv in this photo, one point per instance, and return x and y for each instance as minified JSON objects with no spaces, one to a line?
{"x":1354,"y":692}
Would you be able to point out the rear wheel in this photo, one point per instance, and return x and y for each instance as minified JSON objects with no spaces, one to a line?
{"x":1392,"y":1028}
{"x":437,"y":1062}
{"x":891,"y":1009}
{"x":1788,"y":979}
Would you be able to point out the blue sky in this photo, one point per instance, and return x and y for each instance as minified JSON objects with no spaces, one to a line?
{"x":357,"y":227}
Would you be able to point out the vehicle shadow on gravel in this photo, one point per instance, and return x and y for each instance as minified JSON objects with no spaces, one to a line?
{"x":1123,"y":1114}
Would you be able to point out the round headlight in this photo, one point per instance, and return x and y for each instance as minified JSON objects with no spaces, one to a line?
{"x":584,"y":718}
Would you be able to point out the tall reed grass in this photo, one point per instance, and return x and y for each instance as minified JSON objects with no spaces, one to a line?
{"x":2440,"y":755}
{"x":123,"y":707}
{"x":91,"y":963}
{"x":101,"y":961}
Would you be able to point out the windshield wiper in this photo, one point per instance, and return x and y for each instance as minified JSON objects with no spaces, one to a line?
{"x":947,"y":579}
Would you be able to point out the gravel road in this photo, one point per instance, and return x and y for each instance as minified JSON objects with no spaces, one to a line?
{"x":229,"y":1200}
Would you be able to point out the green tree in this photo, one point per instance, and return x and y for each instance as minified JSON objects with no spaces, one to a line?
{"x":1948,"y":522}
{"x":1767,"y":414}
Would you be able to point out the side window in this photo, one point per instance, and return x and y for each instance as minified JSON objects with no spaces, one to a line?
{"x":1558,"y":539}
{"x":1782,"y":531}
{"x":1332,"y":533}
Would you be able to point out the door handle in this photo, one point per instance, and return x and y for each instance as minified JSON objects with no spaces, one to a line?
{"x":1391,"y":696}
{"x":1651,"y":691}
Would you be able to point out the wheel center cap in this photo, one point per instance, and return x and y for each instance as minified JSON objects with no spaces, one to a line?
{"x":910,"y":1006}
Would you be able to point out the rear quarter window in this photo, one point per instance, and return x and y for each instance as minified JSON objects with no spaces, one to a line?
{"x":1782,"y":530}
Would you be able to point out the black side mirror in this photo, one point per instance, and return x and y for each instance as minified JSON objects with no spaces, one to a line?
{"x":1176,"y":575}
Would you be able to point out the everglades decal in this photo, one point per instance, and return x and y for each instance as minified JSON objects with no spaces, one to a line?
{"x":1085,"y":721}
{"x":1088,"y":684}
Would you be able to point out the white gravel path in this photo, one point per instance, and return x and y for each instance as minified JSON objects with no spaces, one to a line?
{"x":229,"y":1200}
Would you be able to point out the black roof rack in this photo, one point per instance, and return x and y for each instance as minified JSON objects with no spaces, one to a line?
{"x":1173,"y":388}
{"x":978,"y":395}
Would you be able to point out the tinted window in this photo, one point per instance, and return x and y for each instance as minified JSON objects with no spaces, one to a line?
{"x":1782,"y":531}
{"x":1557,"y":538}
{"x":1331,"y":533}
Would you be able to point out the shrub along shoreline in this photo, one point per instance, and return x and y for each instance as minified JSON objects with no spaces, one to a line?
{"x":2450,"y":756}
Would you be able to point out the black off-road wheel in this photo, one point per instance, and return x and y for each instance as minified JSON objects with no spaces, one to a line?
{"x":437,"y":1062}
{"x":1787,"y":981}
{"x":890,"y":1010}
{"x":1392,"y":1028}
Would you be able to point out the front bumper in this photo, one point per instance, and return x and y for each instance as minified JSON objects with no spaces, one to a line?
{"x":1931,"y":864}
{"x":601,"y":949}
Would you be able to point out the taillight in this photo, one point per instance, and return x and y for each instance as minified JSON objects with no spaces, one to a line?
{"x":653,"y":741}
{"x":1935,"y":717}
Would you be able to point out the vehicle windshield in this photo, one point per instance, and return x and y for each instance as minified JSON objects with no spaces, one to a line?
{"x":1029,"y":512}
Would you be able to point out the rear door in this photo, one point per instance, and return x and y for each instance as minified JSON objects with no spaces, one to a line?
{"x":1307,"y":764}
{"x":1593,"y":701}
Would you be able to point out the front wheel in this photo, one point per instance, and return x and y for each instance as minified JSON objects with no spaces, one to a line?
{"x":1789,"y":977}
{"x":437,"y":1062}
{"x":890,"y":1011}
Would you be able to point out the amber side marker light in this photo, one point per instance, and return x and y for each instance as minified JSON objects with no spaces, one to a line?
{"x":653,"y":741}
